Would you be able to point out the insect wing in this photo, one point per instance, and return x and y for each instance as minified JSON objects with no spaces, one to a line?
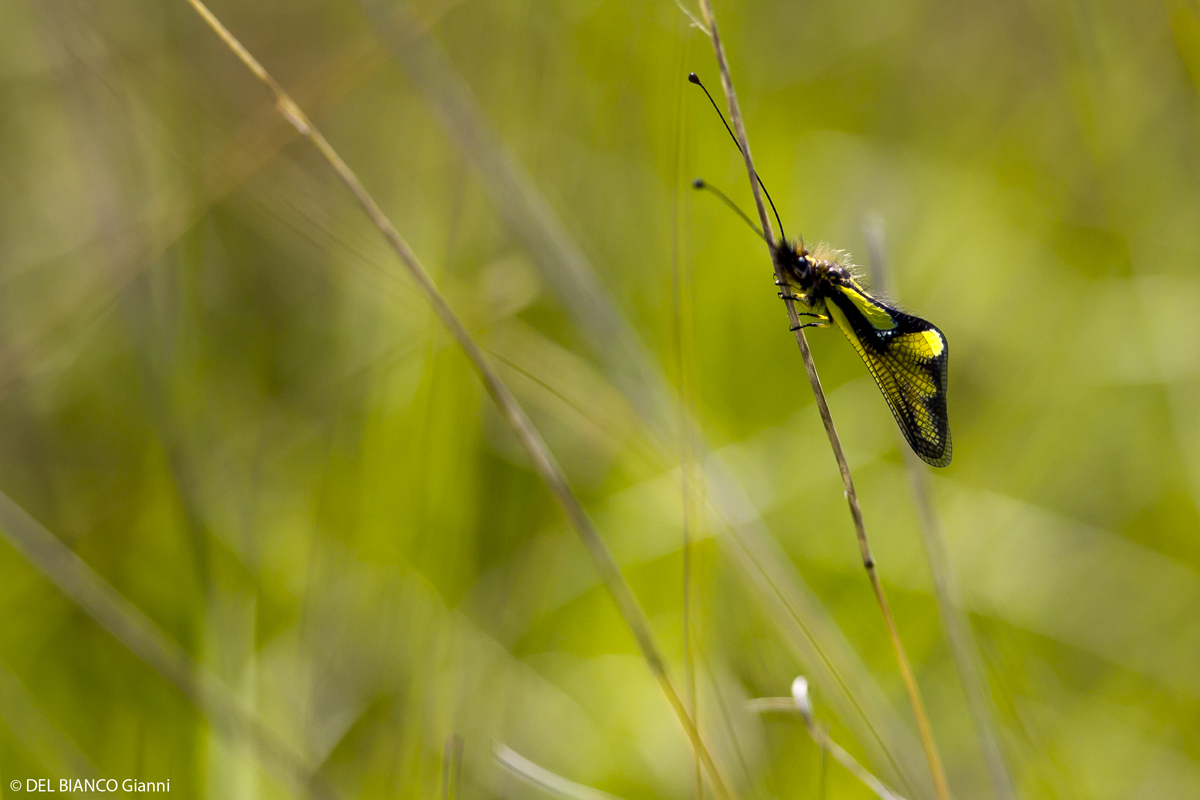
{"x":908,"y":357}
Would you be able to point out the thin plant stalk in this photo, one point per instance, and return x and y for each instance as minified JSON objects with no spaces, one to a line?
{"x":789,"y":602}
{"x":527,"y":212}
{"x":793,"y":705}
{"x":529,"y":437}
{"x":543,"y":778}
{"x":910,"y":684}
{"x":686,"y":463}
{"x":945,"y":582}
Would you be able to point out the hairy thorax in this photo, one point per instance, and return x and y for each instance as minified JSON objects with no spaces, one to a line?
{"x":813,"y":274}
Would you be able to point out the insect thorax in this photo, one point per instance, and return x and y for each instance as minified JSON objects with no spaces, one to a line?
{"x":813,"y":273}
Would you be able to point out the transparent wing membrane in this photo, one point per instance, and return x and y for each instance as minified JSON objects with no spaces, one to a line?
{"x":908,"y":357}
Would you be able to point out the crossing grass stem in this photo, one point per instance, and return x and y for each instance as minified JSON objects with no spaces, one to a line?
{"x":543,"y":460}
{"x":936,"y":770}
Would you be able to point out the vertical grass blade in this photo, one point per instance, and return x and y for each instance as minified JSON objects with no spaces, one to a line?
{"x":910,"y":683}
{"x":945,"y":582}
{"x":529,"y":437}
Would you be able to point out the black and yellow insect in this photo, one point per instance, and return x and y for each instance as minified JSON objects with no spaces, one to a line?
{"x":907,"y":356}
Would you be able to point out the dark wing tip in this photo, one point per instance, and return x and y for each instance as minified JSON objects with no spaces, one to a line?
{"x":942,"y":460}
{"x":929,"y":452}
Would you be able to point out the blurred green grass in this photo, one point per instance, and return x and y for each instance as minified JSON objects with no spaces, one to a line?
{"x":221,"y":393}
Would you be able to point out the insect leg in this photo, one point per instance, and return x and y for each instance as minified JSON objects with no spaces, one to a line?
{"x":822,"y":322}
{"x":787,"y":294}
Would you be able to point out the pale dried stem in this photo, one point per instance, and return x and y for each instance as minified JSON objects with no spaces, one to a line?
{"x":543,"y":778}
{"x":564,"y":265}
{"x":802,"y":621}
{"x":825,"y":742}
{"x":910,"y":683}
{"x":530,"y":439}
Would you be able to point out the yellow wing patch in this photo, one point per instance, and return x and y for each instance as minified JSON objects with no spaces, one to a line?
{"x":909,"y":367}
{"x":839,"y":317}
{"x":937,"y":345}
{"x":876,"y":314}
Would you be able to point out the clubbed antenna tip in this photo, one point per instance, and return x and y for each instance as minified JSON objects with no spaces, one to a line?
{"x":694,"y":78}
{"x":699,"y":183}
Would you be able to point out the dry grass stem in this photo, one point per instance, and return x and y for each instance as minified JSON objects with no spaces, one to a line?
{"x":539,"y":776}
{"x":945,"y":582}
{"x":799,"y":703}
{"x":525,"y":211}
{"x":910,"y":683}
{"x":802,"y":621}
{"x":530,"y":439}
{"x":813,"y":638}
{"x":697,"y":24}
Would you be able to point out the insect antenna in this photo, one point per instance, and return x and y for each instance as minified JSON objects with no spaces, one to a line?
{"x":694,"y":78}
{"x":700,"y":184}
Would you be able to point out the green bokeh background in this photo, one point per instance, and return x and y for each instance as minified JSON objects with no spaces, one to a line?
{"x":220,"y":390}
